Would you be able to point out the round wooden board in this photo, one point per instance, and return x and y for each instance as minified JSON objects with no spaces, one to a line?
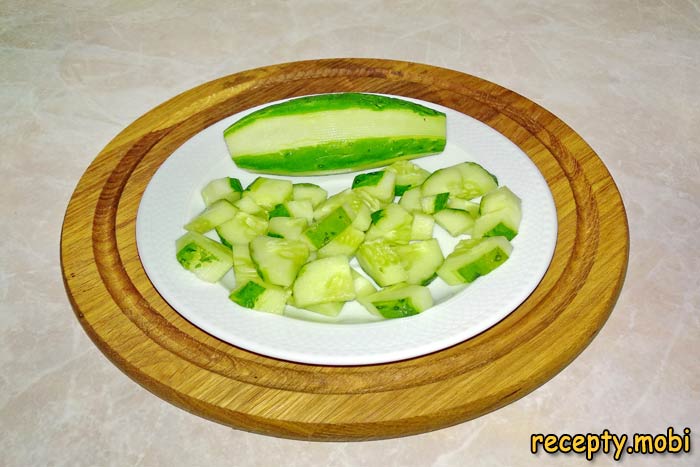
{"x":141,"y":334}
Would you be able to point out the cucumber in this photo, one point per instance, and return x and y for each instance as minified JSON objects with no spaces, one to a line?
{"x":455,"y":221}
{"x":411,"y":200}
{"x":446,"y":179}
{"x":363,"y":286}
{"x":290,"y":228}
{"x":334,"y":133}
{"x":408,"y":175}
{"x":345,"y":243}
{"x":474,"y":258}
{"x":434,"y":203}
{"x":244,"y":269}
{"x":379,"y":185}
{"x":464,"y":205}
{"x":392,"y":223}
{"x":331,"y":309}
{"x":476,"y":180}
{"x":381,"y":262}
{"x":324,"y":280}
{"x":399,"y":301}
{"x":248,"y":204}
{"x":421,"y":260}
{"x":260,"y":296}
{"x":326,"y":229}
{"x":278,"y":260}
{"x":206,"y":258}
{"x":269,"y":192}
{"x":222,"y":188}
{"x":309,"y":192}
{"x":501,"y":214}
{"x":242,"y":228}
{"x":357,"y":205}
{"x":213,"y":216}
{"x":422,"y":226}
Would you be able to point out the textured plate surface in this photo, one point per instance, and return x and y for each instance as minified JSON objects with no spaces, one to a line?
{"x":144,"y":336}
{"x":172,"y":198}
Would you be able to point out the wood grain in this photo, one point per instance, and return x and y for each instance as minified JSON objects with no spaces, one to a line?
{"x":141,"y":334}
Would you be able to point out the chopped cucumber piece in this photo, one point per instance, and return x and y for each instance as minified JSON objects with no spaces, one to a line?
{"x":309,"y":192}
{"x":345,"y":243}
{"x":357,"y":204}
{"x":286,"y":227}
{"x":242,"y":228}
{"x":455,"y":221}
{"x":465,"y":205}
{"x":422,"y":226}
{"x":476,"y":181}
{"x":324,"y":280}
{"x":434,"y":203}
{"x":501,"y":213}
{"x":269,"y":192}
{"x":326,"y":229}
{"x":379,"y":185}
{"x":278,"y":260}
{"x":381,"y":262}
{"x":392,"y":223}
{"x":408,"y":175}
{"x":248,"y":204}
{"x":260,"y":296}
{"x":206,"y":258}
{"x":216,"y":214}
{"x":334,"y":133}
{"x":363,"y":286}
{"x":421,"y":260}
{"x":446,"y":179}
{"x":398,"y":301}
{"x":222,"y":188}
{"x":244,"y":269}
{"x":331,"y":309}
{"x":474,"y":258}
{"x":411,"y":200}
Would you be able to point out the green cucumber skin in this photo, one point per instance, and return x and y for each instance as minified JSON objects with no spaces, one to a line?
{"x":247,"y":295}
{"x":340,"y":157}
{"x":328,"y":228}
{"x":368,"y":179}
{"x":484,"y":265}
{"x":399,"y":308}
{"x":337,"y":101}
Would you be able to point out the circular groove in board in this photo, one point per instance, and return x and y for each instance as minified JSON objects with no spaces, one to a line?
{"x":153,"y":344}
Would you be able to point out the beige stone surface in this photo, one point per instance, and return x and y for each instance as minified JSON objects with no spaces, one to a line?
{"x":624,"y":74}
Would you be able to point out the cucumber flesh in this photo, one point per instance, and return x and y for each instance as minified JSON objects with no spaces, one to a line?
{"x":244,"y":269}
{"x":381,"y":262}
{"x":269,"y":192}
{"x":242,"y":228}
{"x":392,"y":223}
{"x":420,"y":259}
{"x":334,"y":133}
{"x":455,"y":221}
{"x":260,"y":296}
{"x":206,"y":258}
{"x":379,"y":185}
{"x":474,"y":258}
{"x":345,"y":243}
{"x":363,"y":286}
{"x":326,"y":229}
{"x":408,"y":175}
{"x":501,"y":214}
{"x":422,"y":226}
{"x":213,"y":216}
{"x":411,"y":200}
{"x":309,"y":192}
{"x":399,"y":301}
{"x":324,"y":280}
{"x":278,"y":260}
{"x":222,"y":188}
{"x":286,"y":227}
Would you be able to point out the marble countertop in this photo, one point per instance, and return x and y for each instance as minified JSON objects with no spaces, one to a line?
{"x":623,"y":74}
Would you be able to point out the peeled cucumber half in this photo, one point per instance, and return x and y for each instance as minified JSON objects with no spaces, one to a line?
{"x":334,"y":133}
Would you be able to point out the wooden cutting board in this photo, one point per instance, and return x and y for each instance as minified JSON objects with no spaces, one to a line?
{"x":148,"y":340}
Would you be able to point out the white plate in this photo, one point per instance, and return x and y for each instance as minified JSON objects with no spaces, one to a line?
{"x":354,"y":338}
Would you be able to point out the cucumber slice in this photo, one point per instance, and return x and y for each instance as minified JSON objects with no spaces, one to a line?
{"x":465,"y":205}
{"x":393,"y":223}
{"x":286,"y":227}
{"x":334,"y":133}
{"x":331,"y":309}
{"x":206,"y":258}
{"x":248,"y":204}
{"x":411,"y":200}
{"x":242,"y":228}
{"x":476,"y":180}
{"x":501,"y":213}
{"x":260,"y":296}
{"x":445,"y":179}
{"x":379,"y":185}
{"x":408,"y":175}
{"x":278,"y":260}
{"x":363,"y":286}
{"x":326,"y":229}
{"x":474,"y":258}
{"x":455,"y":221}
{"x":422,"y":226}
{"x":399,"y":301}
{"x":309,"y":192}
{"x":269,"y":192}
{"x":345,"y":243}
{"x":222,"y":188}
{"x":381,"y":262}
{"x":244,"y":269}
{"x":434,"y":203}
{"x":216,"y":214}
{"x":421,"y":260}
{"x":324,"y":280}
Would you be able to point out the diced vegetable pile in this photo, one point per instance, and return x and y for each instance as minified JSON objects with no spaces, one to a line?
{"x":290,"y":244}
